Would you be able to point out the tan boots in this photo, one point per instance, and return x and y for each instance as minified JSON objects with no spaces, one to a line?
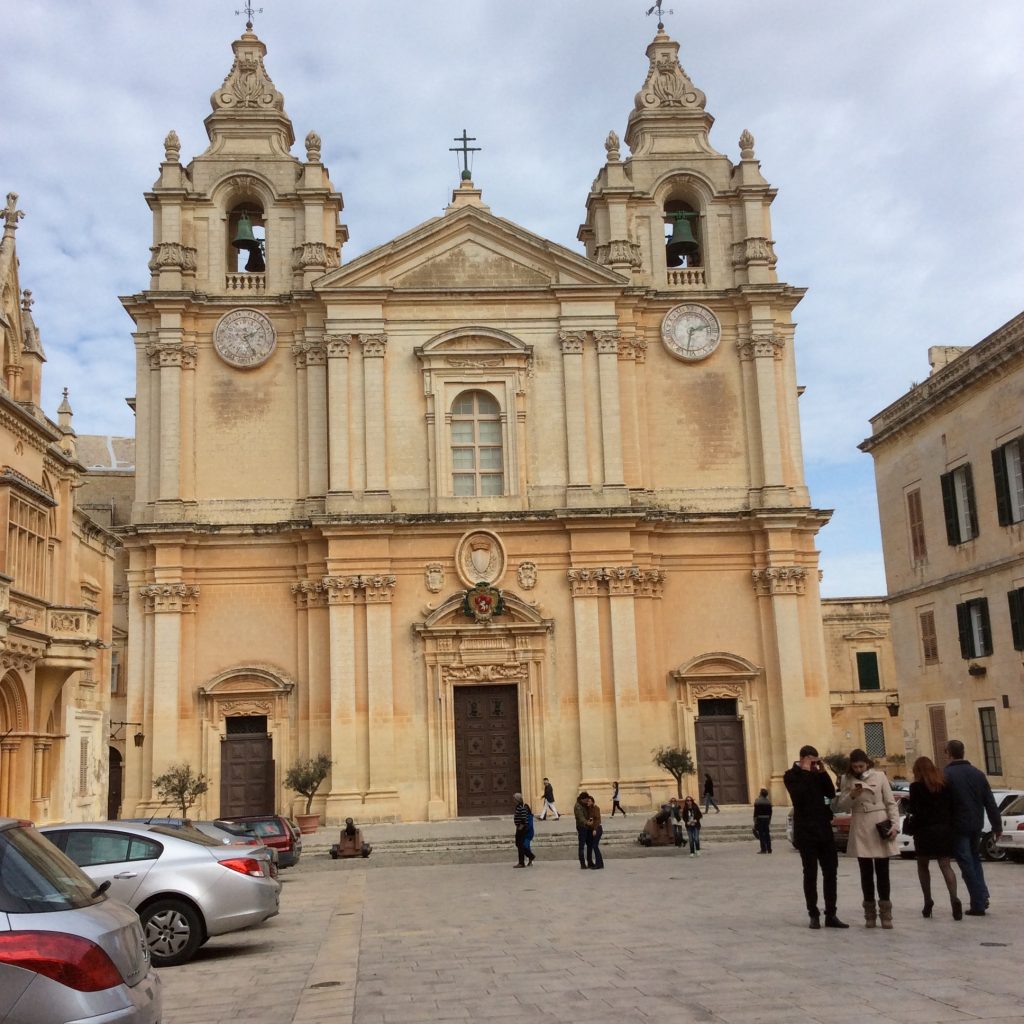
{"x":870,"y":912}
{"x":885,"y":913}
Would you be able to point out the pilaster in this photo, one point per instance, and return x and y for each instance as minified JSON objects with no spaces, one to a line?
{"x":575,"y":411}
{"x":374,"y":347}
{"x":338,"y":412}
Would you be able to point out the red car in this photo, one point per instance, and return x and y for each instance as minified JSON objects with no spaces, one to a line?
{"x":275,"y":831}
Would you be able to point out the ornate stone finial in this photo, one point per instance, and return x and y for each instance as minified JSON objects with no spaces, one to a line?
{"x":746,"y":145}
{"x":611,"y":144}
{"x":11,"y":214}
{"x":172,"y":147}
{"x":465,"y":149}
{"x":313,"y":148}
{"x":247,"y":86}
{"x":667,"y":84}
{"x":64,"y":412}
{"x":27,"y":302}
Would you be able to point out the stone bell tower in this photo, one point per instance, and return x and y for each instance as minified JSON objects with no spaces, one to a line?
{"x":675,"y":181}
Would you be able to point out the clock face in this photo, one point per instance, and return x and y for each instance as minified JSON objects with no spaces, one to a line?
{"x":691,"y":332}
{"x":244,"y":338}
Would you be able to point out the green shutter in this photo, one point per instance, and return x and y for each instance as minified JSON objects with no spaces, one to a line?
{"x":1016,"y":599}
{"x":949,"y":508}
{"x":867,"y":671}
{"x":1002,"y":486}
{"x":963,"y":623}
{"x":986,"y":627}
{"x":972,"y":508}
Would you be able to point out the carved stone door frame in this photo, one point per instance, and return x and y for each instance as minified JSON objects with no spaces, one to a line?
{"x":461,"y":652}
{"x":721,"y":675}
{"x":246,"y":690}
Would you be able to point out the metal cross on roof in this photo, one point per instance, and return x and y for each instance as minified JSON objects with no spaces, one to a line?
{"x":465,"y":149}
{"x":658,"y":7}
{"x":248,"y":10}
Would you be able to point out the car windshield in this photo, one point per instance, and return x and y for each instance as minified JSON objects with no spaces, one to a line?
{"x":1014,"y":808}
{"x":36,"y":878}
{"x":188,"y":833}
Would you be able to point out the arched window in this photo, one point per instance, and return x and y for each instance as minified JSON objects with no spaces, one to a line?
{"x":682,"y":242}
{"x":246,"y":239}
{"x":477,"y":464}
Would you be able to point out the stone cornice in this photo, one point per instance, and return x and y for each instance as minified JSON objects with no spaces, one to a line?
{"x":989,"y":356}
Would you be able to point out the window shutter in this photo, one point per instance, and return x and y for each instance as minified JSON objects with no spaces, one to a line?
{"x":867,"y":670}
{"x":949,"y":508}
{"x":963,"y":622}
{"x":1016,"y":599}
{"x":972,"y":509}
{"x":940,"y":734}
{"x":915,"y":515}
{"x":986,"y":626}
{"x":929,"y":639}
{"x":1002,"y":486}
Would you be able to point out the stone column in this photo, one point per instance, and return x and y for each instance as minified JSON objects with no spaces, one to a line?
{"x":337,"y":413}
{"x":633,"y":752}
{"x":585,"y":592}
{"x":316,"y":415}
{"x":765,"y":349}
{"x":631,"y":352}
{"x":167,"y":602}
{"x":575,"y":411}
{"x":345,"y":798}
{"x":137,"y":686}
{"x":39,"y":787}
{"x":374,"y":346}
{"x":170,"y":359}
{"x":7,"y":761}
{"x":611,"y":416}
{"x":382,"y":797}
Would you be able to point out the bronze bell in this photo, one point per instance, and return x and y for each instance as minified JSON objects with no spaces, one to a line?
{"x":682,"y":243}
{"x":245,"y":239}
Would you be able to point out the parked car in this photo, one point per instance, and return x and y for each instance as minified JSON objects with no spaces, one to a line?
{"x":841,"y":827}
{"x":186,"y":887}
{"x":224,"y":832}
{"x":275,"y":830}
{"x":1011,"y":842}
{"x":68,"y":951}
{"x":989,"y":849}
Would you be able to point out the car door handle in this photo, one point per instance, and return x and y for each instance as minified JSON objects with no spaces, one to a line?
{"x":127,"y":874}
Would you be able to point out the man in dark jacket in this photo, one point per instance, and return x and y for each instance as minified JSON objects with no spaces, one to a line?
{"x":811,"y":788}
{"x":972,"y":801}
{"x":522,"y":818}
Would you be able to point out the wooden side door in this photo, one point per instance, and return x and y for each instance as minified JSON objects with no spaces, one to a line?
{"x":246,"y":775}
{"x":721,"y":753}
{"x":487,"y":770}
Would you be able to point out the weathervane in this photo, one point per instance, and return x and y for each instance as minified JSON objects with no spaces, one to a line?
{"x":248,"y":10}
{"x":465,"y":149}
{"x":658,"y":7}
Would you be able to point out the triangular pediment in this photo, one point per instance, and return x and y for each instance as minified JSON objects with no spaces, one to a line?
{"x":470,"y":249}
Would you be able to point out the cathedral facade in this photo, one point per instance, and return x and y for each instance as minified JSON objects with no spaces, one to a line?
{"x":472,"y":508}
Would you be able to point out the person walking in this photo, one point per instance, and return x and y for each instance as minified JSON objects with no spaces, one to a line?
{"x":594,"y":832}
{"x":616,"y":806}
{"x":522,"y":818}
{"x":972,"y":801}
{"x":691,"y":819}
{"x":931,"y":811}
{"x":549,"y":802}
{"x":763,"y":821}
{"x":810,"y":789}
{"x":676,"y":817}
{"x":874,"y":823}
{"x":582,"y":830}
{"x":709,"y":794}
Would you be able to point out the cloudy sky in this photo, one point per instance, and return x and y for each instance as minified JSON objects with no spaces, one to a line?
{"x":892,"y":129}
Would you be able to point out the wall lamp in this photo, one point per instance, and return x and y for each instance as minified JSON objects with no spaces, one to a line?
{"x":894,"y":708}
{"x":138,"y":739}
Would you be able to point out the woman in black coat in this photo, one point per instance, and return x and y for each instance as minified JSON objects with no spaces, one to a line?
{"x":931,"y":807}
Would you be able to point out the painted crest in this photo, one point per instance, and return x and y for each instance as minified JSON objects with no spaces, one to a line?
{"x":483,"y":602}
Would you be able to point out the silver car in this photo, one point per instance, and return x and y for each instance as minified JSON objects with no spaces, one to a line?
{"x":68,"y":952}
{"x":186,"y":887}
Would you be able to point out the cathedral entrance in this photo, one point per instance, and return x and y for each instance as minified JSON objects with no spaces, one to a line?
{"x":246,"y":767}
{"x":486,"y":749}
{"x":720,"y":750}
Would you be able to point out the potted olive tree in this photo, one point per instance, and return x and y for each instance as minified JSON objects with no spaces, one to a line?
{"x":304,"y":777}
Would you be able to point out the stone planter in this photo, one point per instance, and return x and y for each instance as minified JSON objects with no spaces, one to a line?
{"x":308,"y":823}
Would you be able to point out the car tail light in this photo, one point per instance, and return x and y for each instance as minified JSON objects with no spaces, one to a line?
{"x":68,"y":959}
{"x":1020,"y":827}
{"x":244,"y":866}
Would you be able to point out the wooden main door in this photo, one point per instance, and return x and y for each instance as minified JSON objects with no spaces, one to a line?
{"x":246,"y":772}
{"x":721,"y":753}
{"x":486,"y":749}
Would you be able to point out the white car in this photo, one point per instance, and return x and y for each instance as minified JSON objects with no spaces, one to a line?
{"x":1011,"y":842}
{"x":990,"y":850}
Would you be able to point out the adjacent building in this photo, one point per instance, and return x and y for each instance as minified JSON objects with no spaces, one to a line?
{"x":948,"y":466}
{"x":56,"y":573}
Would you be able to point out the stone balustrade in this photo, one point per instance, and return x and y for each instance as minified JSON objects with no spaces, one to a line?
{"x":243,"y":282}
{"x":72,"y":625}
{"x":686,"y":277}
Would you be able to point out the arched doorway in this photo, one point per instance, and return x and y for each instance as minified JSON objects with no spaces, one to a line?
{"x":115,"y":782}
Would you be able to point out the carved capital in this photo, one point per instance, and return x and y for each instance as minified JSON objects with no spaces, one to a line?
{"x":170,"y":597}
{"x":172,"y":256}
{"x":622,"y":579}
{"x":374,"y":345}
{"x":182,"y":356}
{"x":607,"y":342}
{"x":309,"y":593}
{"x":315,"y":352}
{"x":754,"y":251}
{"x":651,"y":583}
{"x":619,"y":251}
{"x":779,"y":579}
{"x":761,"y":346}
{"x":379,"y":589}
{"x":315,"y":255}
{"x":340,"y":589}
{"x":572,"y":342}
{"x":585,"y":582}
{"x":337,"y":346}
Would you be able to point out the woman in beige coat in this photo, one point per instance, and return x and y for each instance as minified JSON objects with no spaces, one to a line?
{"x":867,"y":795}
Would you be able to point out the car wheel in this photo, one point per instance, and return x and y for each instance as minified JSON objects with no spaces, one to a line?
{"x":989,"y":850}
{"x":173,"y":932}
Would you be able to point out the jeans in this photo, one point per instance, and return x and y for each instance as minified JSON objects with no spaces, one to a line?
{"x":709,"y":801}
{"x":593,"y":846}
{"x":967,"y":850}
{"x":586,"y":857}
{"x":521,"y":848}
{"x":764,"y":833}
{"x":813,"y":853}
{"x":693,"y":831}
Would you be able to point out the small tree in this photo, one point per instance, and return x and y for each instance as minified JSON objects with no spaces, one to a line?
{"x":304,"y":777}
{"x":677,"y":762}
{"x":180,"y":786}
{"x":839,"y":763}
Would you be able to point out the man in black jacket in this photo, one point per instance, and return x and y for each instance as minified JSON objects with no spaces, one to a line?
{"x":972,"y":801}
{"x":811,"y":788}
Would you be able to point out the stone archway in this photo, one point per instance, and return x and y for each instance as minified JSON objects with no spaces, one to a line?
{"x":503,"y":659}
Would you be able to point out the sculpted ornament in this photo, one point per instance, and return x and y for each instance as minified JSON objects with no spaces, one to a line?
{"x":526,"y":574}
{"x":434,"y":577}
{"x":248,"y":86}
{"x":313,"y":145}
{"x":779,"y":579}
{"x":667,"y":84}
{"x":480,"y":558}
{"x":611,"y":145}
{"x":172,"y":147}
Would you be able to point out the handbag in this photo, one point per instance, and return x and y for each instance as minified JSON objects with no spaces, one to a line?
{"x":884,"y":828}
{"x":909,"y":826}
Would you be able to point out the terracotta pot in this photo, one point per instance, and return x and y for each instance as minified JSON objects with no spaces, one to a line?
{"x":308,"y":823}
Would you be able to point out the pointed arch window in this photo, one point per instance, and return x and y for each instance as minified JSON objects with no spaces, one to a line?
{"x":476,"y":446}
